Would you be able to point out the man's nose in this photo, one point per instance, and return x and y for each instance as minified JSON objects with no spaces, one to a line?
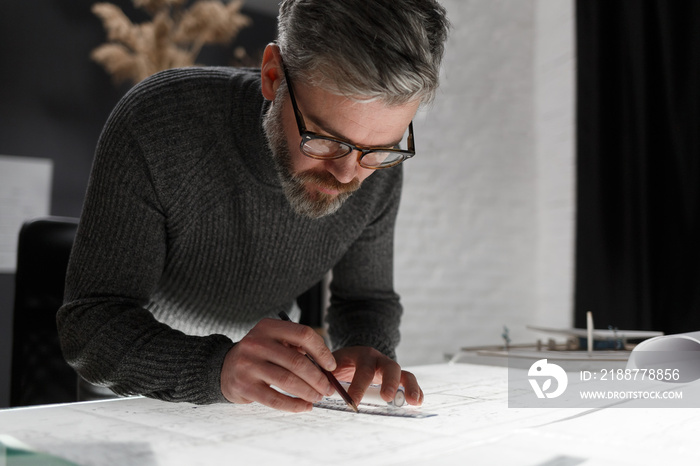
{"x":345,"y":168}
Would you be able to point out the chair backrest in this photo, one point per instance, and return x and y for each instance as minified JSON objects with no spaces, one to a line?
{"x":40,"y":374}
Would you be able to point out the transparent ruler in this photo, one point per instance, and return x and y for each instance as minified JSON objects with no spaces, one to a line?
{"x":371,"y":408}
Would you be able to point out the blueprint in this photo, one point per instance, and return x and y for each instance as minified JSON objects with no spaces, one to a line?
{"x":471,"y":422}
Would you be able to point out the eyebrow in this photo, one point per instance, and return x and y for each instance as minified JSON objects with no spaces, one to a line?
{"x":338,"y":135}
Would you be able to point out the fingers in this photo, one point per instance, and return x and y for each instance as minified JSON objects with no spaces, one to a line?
{"x":368,"y":366}
{"x":273,"y":353}
{"x":304,"y":338}
{"x":364,"y":375}
{"x":297,"y":341}
{"x":414,"y":394}
{"x":272,"y":398}
{"x":391,"y":378}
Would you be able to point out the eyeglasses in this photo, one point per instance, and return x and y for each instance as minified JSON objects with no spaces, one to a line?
{"x":322,"y":147}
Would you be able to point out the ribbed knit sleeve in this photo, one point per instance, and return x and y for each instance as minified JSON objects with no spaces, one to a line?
{"x":365,"y":310}
{"x":106,"y":333}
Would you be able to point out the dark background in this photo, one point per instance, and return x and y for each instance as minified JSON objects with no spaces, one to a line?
{"x":54,"y":100}
{"x":638,"y":173}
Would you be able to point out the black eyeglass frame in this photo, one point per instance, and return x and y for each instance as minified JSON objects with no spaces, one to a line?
{"x":307,"y":136}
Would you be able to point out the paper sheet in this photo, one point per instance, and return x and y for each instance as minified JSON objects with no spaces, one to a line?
{"x":473,"y":426}
{"x":676,"y":342}
{"x":16,"y":453}
{"x":25,"y":193}
{"x":679,"y":352}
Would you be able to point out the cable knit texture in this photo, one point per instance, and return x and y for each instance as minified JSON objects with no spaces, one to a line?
{"x":186,"y":241}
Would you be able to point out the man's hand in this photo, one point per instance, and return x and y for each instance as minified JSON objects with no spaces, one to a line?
{"x":273,"y":353}
{"x":364,"y":366}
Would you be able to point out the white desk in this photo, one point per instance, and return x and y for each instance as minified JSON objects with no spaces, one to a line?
{"x":473,"y":426}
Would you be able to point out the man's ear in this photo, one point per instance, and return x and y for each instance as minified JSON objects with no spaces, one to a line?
{"x":271,"y":71}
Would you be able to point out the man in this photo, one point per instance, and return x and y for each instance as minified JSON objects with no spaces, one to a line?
{"x":219,"y":195}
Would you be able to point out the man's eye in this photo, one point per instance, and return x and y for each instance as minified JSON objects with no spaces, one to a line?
{"x":324,"y":147}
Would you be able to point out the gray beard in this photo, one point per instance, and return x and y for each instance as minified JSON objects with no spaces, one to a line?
{"x":313,"y":205}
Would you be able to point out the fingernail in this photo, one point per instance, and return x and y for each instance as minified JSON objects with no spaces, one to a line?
{"x":415,"y":396}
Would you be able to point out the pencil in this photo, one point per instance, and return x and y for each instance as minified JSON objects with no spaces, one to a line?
{"x":331,"y":378}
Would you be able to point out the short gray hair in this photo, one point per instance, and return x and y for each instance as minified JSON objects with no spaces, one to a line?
{"x":387,"y":50}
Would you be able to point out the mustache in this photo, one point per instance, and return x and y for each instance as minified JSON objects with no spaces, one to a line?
{"x":328,"y":181}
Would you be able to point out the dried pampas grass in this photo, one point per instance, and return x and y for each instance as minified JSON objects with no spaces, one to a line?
{"x":173,"y":38}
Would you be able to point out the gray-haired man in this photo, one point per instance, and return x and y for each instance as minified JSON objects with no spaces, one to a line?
{"x":219,"y":195}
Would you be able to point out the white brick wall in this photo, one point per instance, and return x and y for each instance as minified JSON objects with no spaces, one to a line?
{"x":484,"y":234}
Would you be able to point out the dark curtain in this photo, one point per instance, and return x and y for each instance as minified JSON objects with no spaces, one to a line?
{"x":638,"y":156}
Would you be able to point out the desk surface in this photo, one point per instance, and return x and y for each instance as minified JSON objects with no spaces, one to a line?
{"x":473,"y":426}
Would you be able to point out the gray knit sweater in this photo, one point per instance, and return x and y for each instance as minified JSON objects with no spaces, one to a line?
{"x":186,"y":241}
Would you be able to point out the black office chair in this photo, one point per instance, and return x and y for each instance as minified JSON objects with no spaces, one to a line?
{"x":40,"y":374}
